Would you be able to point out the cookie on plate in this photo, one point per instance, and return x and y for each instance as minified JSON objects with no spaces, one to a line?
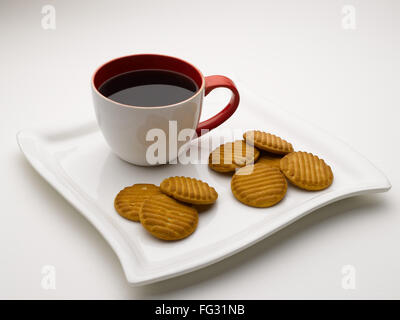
{"x":168,"y":219}
{"x":129,"y":200}
{"x":268,"y":142}
{"x":259,"y":185}
{"x":232,"y":155}
{"x":306,"y":171}
{"x":189,"y":190}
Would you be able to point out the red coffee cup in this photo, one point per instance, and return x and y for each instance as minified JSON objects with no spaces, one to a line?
{"x":126,"y":128}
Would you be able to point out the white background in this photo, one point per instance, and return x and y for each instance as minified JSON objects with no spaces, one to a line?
{"x":294,"y":52}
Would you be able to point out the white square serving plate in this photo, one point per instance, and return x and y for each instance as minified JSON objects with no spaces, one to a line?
{"x":78,"y":163}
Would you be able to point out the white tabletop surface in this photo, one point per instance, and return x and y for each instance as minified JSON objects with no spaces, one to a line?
{"x":298,"y":53}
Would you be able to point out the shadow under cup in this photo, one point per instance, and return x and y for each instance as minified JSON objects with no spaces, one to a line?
{"x":156,"y":135}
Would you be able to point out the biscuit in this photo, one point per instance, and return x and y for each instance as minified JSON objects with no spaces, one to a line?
{"x":189,"y":190}
{"x":129,"y":200}
{"x":167,"y":219}
{"x":232,"y":155}
{"x":268,"y":142}
{"x":270,"y":159}
{"x":259,"y":185}
{"x":306,"y":171}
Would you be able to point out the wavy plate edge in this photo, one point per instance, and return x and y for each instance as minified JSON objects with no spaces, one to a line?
{"x":136,"y":276}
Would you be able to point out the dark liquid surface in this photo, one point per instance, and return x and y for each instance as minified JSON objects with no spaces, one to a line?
{"x":149,"y":88}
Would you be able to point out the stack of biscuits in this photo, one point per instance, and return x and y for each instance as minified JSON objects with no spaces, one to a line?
{"x":166,"y":211}
{"x":262,"y":162}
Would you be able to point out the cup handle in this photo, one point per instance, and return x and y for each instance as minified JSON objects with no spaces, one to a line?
{"x":211,"y":83}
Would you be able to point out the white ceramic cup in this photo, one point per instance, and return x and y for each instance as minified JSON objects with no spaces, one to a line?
{"x":125,"y":127}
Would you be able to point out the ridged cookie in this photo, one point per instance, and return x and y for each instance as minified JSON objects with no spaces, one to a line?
{"x":259,"y":185}
{"x":129,"y":200}
{"x":270,"y":159}
{"x":167,"y":219}
{"x":232,"y":155}
{"x":306,"y":171}
{"x":268,"y":142}
{"x":189,"y":190}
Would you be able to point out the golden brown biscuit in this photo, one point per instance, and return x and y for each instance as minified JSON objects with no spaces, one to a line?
{"x":232,"y":155}
{"x":189,"y":190}
{"x":129,"y":200}
{"x":268,"y":142}
{"x":306,"y":171}
{"x":259,"y":185}
{"x":270,"y":159}
{"x":168,"y":219}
